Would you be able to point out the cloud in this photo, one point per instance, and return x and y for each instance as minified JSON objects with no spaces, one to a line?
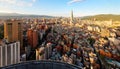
{"x":8,"y":1}
{"x":74,"y":1}
{"x":18,"y":2}
{"x":34,"y":0}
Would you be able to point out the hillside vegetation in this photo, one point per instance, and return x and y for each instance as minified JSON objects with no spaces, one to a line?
{"x":103,"y":17}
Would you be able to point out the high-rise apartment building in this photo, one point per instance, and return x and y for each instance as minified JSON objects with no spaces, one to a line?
{"x":35,"y":38}
{"x":43,"y":53}
{"x":40,"y":53}
{"x":13,"y":31}
{"x":48,"y":50}
{"x":32,"y":36}
{"x":9,"y":54}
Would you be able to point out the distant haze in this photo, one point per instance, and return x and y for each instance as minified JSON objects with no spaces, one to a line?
{"x":100,"y":17}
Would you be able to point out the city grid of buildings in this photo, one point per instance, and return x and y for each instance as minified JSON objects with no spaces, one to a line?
{"x":89,"y":44}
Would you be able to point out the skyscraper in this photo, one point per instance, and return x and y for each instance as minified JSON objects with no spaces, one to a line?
{"x":13,"y":31}
{"x":72,"y":18}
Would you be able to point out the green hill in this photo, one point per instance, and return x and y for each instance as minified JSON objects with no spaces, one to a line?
{"x":103,"y":17}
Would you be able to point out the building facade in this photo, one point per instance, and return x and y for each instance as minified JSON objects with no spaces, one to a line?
{"x":40,"y":53}
{"x":32,"y":36}
{"x":13,"y":31}
{"x":43,"y":53}
{"x":48,"y":50}
{"x":9,"y":54}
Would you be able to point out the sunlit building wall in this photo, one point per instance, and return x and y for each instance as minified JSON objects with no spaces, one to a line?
{"x":13,"y":31}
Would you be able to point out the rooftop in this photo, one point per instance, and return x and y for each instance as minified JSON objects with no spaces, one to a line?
{"x":43,"y":64}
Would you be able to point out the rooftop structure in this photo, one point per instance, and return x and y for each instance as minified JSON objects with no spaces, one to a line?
{"x":42,"y":65}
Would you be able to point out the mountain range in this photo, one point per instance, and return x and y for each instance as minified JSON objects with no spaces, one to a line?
{"x":12,"y":15}
{"x":100,"y":17}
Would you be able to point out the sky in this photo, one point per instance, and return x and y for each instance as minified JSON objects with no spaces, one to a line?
{"x":60,"y":7}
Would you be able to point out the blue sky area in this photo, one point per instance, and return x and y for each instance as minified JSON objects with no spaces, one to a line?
{"x":61,"y":7}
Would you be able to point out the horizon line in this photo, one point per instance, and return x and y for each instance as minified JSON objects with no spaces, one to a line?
{"x":56,"y":15}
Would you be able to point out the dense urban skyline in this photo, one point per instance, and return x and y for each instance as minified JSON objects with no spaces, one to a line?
{"x":60,"y":7}
{"x":59,"y":34}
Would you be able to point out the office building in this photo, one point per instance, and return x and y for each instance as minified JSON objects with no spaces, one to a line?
{"x":72,"y":18}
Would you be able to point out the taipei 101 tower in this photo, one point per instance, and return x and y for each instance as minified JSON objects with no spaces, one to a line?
{"x":72,"y":18}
